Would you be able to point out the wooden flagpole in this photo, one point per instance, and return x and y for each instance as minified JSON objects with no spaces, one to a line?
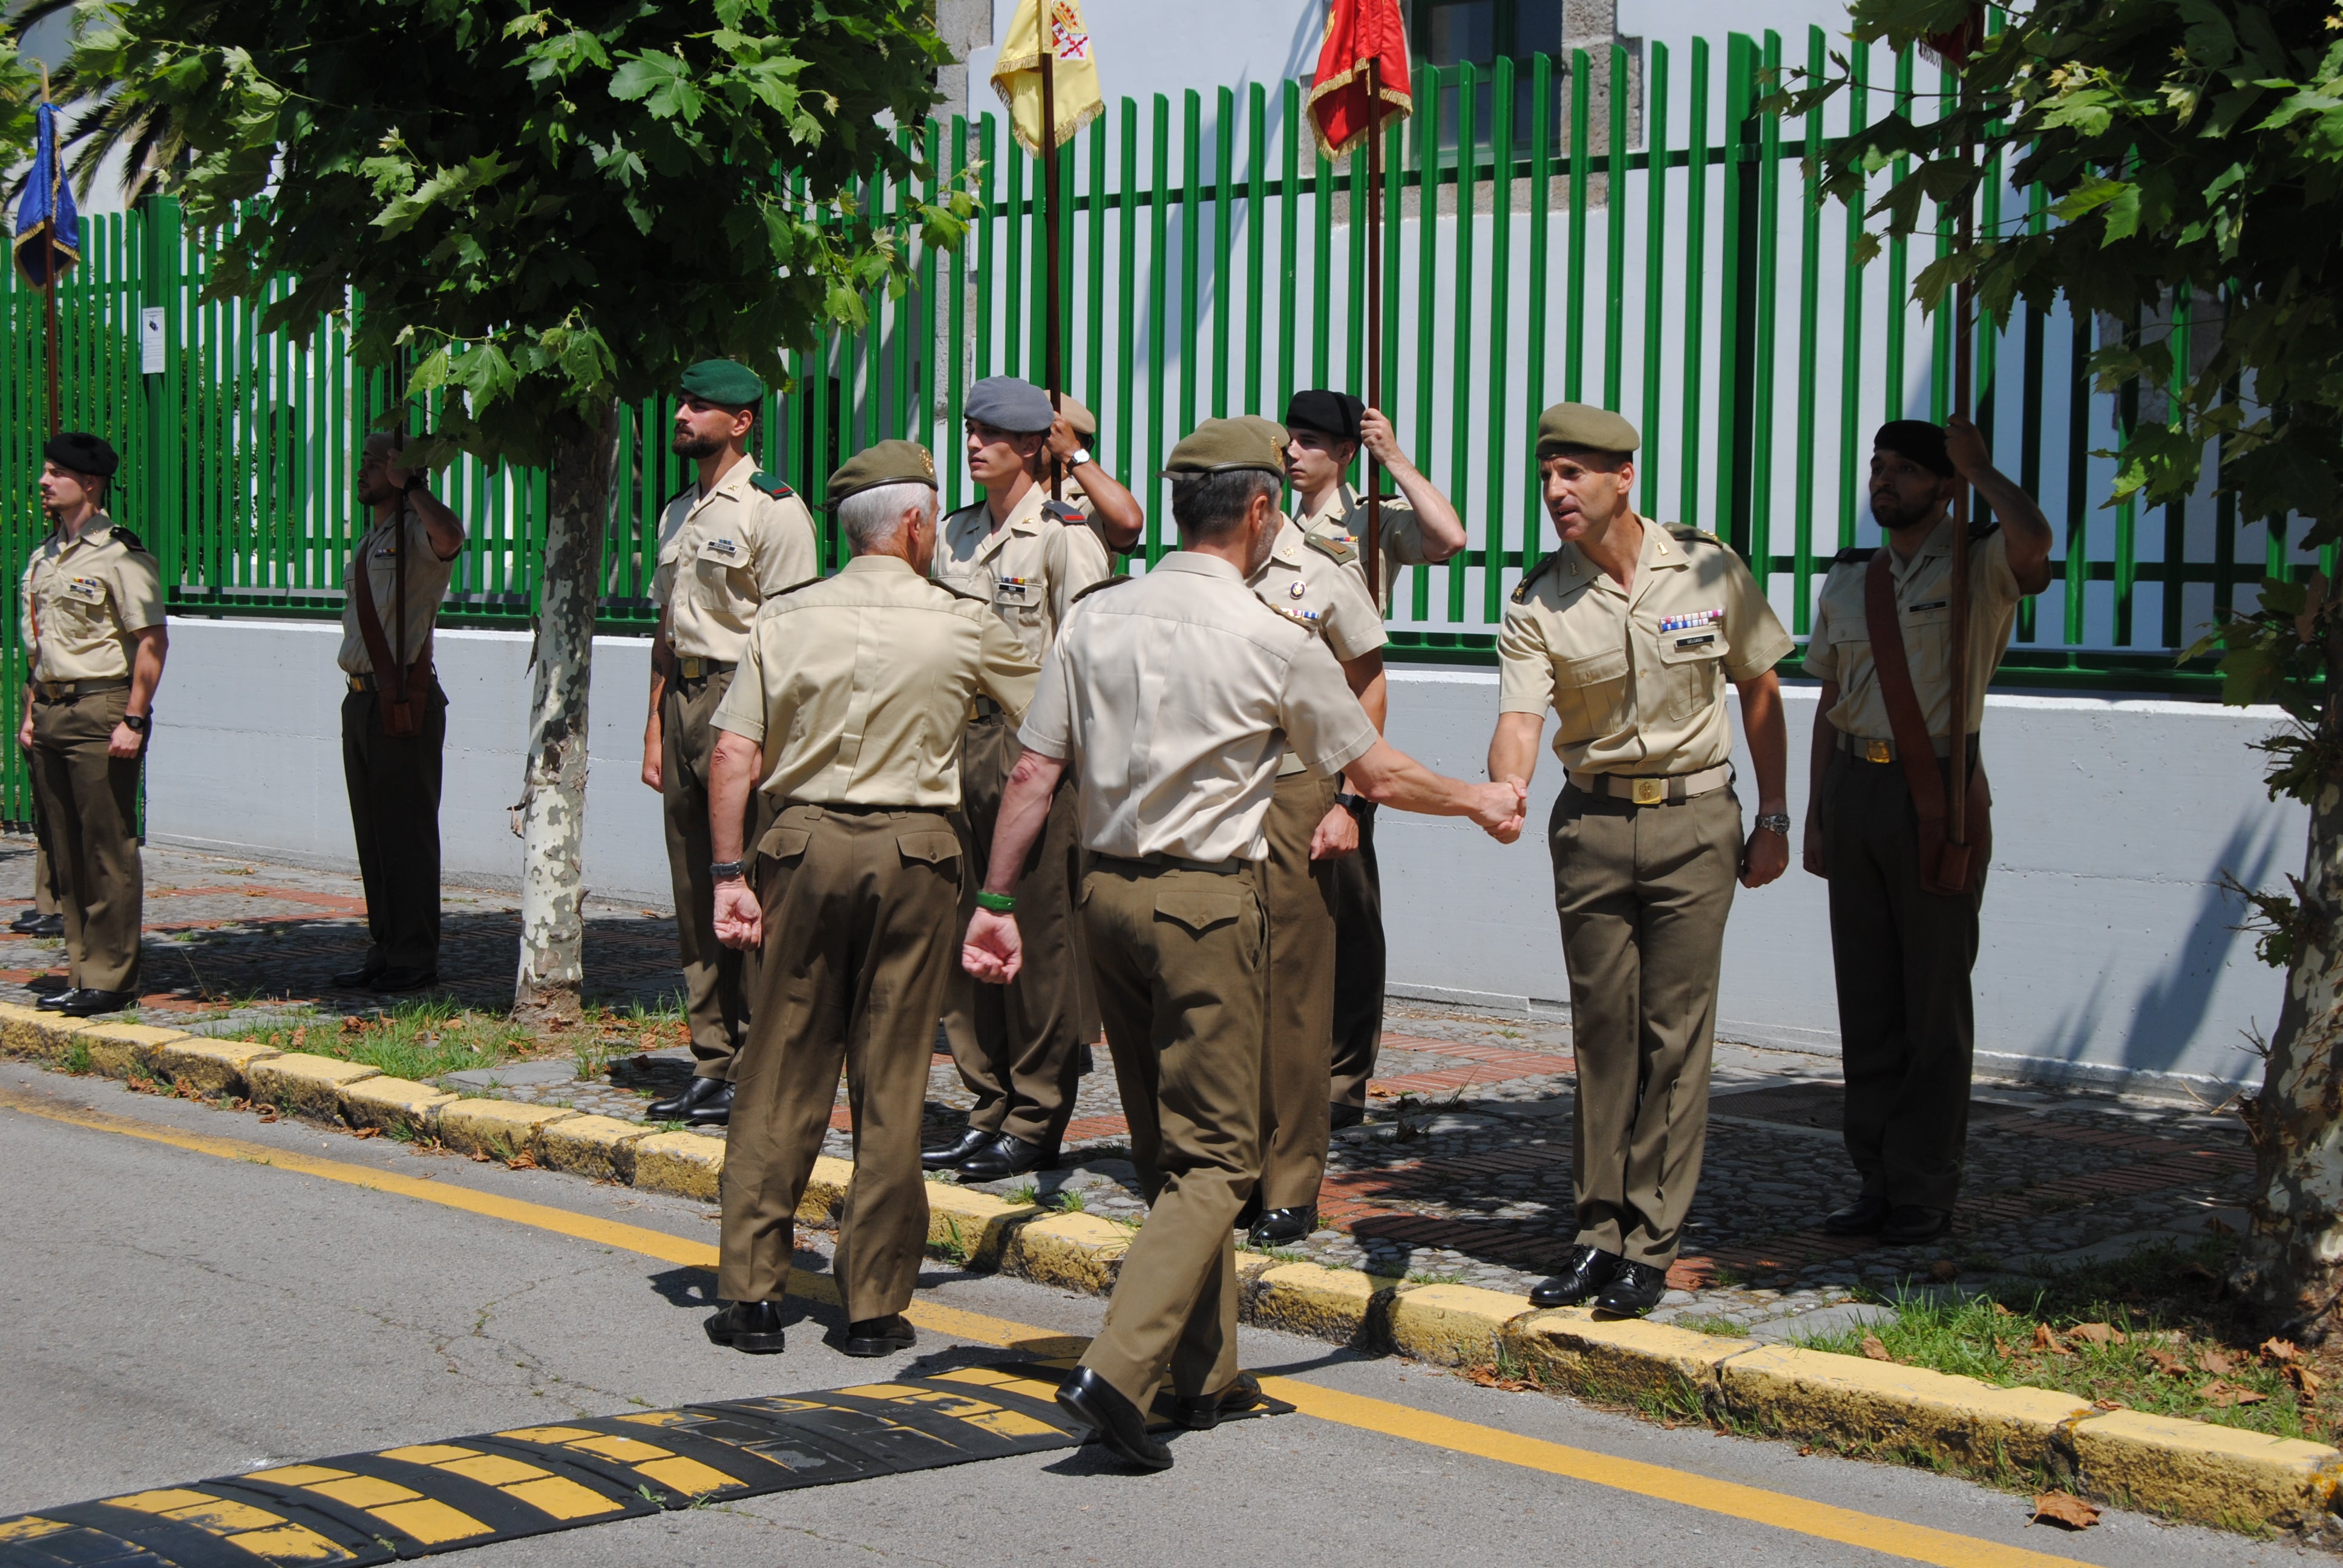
{"x":1052,"y":367}
{"x":1964,"y":306}
{"x":1372,"y":229}
{"x":49,"y":263}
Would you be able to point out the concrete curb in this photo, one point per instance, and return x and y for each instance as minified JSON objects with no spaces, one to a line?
{"x":2180,"y":1469}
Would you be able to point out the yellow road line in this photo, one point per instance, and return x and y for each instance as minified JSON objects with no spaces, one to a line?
{"x":1798,"y":1515}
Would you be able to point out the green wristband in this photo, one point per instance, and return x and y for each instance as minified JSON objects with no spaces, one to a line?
{"x":998,"y":903}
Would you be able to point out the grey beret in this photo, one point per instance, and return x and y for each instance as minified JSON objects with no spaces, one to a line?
{"x":1005,"y":403}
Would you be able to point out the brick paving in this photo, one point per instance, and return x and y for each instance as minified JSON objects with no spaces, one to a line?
{"x":1462,"y":1171}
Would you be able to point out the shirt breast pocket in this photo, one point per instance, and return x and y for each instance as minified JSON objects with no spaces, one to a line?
{"x":1695,"y":666}
{"x":1590,"y":695}
{"x":1928,"y":643}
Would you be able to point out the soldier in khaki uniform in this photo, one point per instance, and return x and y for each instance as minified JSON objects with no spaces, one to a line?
{"x":1173,"y":798}
{"x":94,"y":599}
{"x":391,"y":759}
{"x":1902,"y":953}
{"x":846,"y":715}
{"x":1630,"y":631}
{"x":1310,"y":836}
{"x":1019,"y":1048}
{"x":1325,"y":430}
{"x":727,"y":544}
{"x":46,"y":916}
{"x":1087,"y":489}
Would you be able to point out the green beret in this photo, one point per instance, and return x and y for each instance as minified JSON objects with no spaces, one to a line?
{"x":725,"y":381}
{"x":1220,"y":446}
{"x":1583,"y":425}
{"x":887,"y":463}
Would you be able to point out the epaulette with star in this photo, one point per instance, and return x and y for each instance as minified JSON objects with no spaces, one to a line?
{"x":1529,"y":579}
{"x":1341,"y":550}
{"x":128,"y":537}
{"x":1687,"y":534}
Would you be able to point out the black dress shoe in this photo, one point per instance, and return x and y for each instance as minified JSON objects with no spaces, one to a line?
{"x":1006,"y":1156}
{"x":24,"y":924}
{"x":1278,"y":1226}
{"x":57,"y":999}
{"x":676,"y":1107}
{"x":1909,"y":1225}
{"x":969,"y":1140}
{"x":879,"y":1336}
{"x":86,"y":1003}
{"x":754,"y":1327}
{"x":48,"y":926}
{"x":1122,"y":1425}
{"x":1589,"y":1270}
{"x":1201,"y":1412}
{"x":1341,"y":1116}
{"x":1635,"y":1290}
{"x":359,"y":979}
{"x":1861,"y":1218}
{"x":390,"y":981}
{"x":716,"y":1110}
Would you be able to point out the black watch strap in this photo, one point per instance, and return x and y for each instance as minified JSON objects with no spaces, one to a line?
{"x":1358,"y":806}
{"x":725,"y":871}
{"x":138,"y":723}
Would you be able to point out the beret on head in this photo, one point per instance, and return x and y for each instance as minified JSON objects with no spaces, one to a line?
{"x":82,"y":453}
{"x":1224,"y":445}
{"x":1005,"y":403}
{"x":887,"y":463}
{"x":725,"y":381}
{"x":1585,"y":427}
{"x":1337,"y":413}
{"x":1079,"y":419}
{"x":1917,"y":439}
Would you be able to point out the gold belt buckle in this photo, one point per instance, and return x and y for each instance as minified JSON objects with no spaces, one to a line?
{"x":1649,"y":791}
{"x":691,"y":668}
{"x":357,"y":683}
{"x":1877,"y":752}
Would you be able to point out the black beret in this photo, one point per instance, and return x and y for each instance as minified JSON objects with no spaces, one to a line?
{"x":1334,"y":413}
{"x":82,"y":453}
{"x":1917,"y":439}
{"x":1005,"y":403}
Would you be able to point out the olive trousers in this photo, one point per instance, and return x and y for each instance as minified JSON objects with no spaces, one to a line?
{"x":90,"y":800}
{"x":1300,"y":1045}
{"x":717,"y":980}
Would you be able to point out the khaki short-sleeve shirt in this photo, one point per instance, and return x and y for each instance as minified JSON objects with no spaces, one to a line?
{"x":1029,"y":569}
{"x":428,"y":578}
{"x":1840,"y":647}
{"x":1344,"y":516}
{"x":1175,"y":694}
{"x":857,"y":686}
{"x":1318,"y":580}
{"x":88,"y":597}
{"x":1636,"y":676}
{"x":723,"y":554}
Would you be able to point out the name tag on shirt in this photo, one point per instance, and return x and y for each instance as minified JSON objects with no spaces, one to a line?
{"x":89,"y":591}
{"x":1706,"y":639}
{"x":1015,"y":590}
{"x":1931,"y":604}
{"x":724,"y":552}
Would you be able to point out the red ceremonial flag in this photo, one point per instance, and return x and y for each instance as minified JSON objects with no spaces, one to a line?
{"x":1359,"y":31}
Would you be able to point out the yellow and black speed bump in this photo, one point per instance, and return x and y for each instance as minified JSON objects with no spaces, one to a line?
{"x":359,"y":1509}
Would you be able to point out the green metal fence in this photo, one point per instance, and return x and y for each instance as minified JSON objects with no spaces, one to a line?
{"x":1622,"y":230}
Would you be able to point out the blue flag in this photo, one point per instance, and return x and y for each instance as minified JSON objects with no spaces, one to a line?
{"x":48,"y":229}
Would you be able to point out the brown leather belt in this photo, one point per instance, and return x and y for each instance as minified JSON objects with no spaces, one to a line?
{"x":1672,"y":790}
{"x":1863,"y":748}
{"x":67,"y":691}
{"x":1232,"y":866}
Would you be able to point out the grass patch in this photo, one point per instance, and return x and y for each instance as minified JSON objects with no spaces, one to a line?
{"x":1024,"y":1194}
{"x":1714,"y":1323}
{"x":2149,"y":1332}
{"x":76,"y":1057}
{"x":418,"y":1039}
{"x":1071,"y":1201}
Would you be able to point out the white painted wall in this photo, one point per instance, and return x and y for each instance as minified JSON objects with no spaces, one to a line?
{"x":2107,"y":941}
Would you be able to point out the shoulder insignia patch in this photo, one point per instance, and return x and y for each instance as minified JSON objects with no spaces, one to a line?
{"x":1342,"y":551}
{"x":1118,"y":579}
{"x":1685,"y":533}
{"x":1529,"y":580}
{"x":1065,"y":513}
{"x":128,"y":537}
{"x":777,"y":489}
{"x":1855,"y":556}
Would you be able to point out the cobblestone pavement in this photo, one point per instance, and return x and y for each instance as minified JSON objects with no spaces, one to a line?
{"x":1462,"y":1171}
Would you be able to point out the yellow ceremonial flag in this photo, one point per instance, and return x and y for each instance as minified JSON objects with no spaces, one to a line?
{"x":1073,"y":84}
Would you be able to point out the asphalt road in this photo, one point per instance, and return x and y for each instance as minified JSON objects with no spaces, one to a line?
{"x":174,"y":1313}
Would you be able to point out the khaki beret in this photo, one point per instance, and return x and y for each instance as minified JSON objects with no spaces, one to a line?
{"x":1583,"y":425}
{"x":725,"y":381}
{"x":1223,"y":445}
{"x":887,"y":463}
{"x":1078,"y":418}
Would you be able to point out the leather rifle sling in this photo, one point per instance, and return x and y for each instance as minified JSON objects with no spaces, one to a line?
{"x":399,"y":719}
{"x":1912,"y":747}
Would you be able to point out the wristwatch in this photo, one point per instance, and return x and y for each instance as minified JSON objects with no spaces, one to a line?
{"x":137,"y":723}
{"x":415,"y":481}
{"x":725,"y":871}
{"x":1779,"y":822}
{"x":1358,"y":806}
{"x":1081,"y":459}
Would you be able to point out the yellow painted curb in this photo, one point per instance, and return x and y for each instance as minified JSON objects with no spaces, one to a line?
{"x":2198,"y":1470}
{"x":1076,"y":1252}
{"x":125,"y":1049}
{"x":1812,"y":1393}
{"x":389,"y":1102}
{"x":683,"y":1163}
{"x":825,"y":1192}
{"x":501,"y":1128}
{"x":1324,"y":1304}
{"x":211,"y":1066}
{"x":1622,"y":1358}
{"x":1450,"y":1325}
{"x":36,"y":1036}
{"x":976,"y":1226}
{"x":600,"y":1147}
{"x":304,"y":1084}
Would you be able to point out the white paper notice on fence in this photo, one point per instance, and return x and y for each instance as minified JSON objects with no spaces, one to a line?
{"x":150,"y":341}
